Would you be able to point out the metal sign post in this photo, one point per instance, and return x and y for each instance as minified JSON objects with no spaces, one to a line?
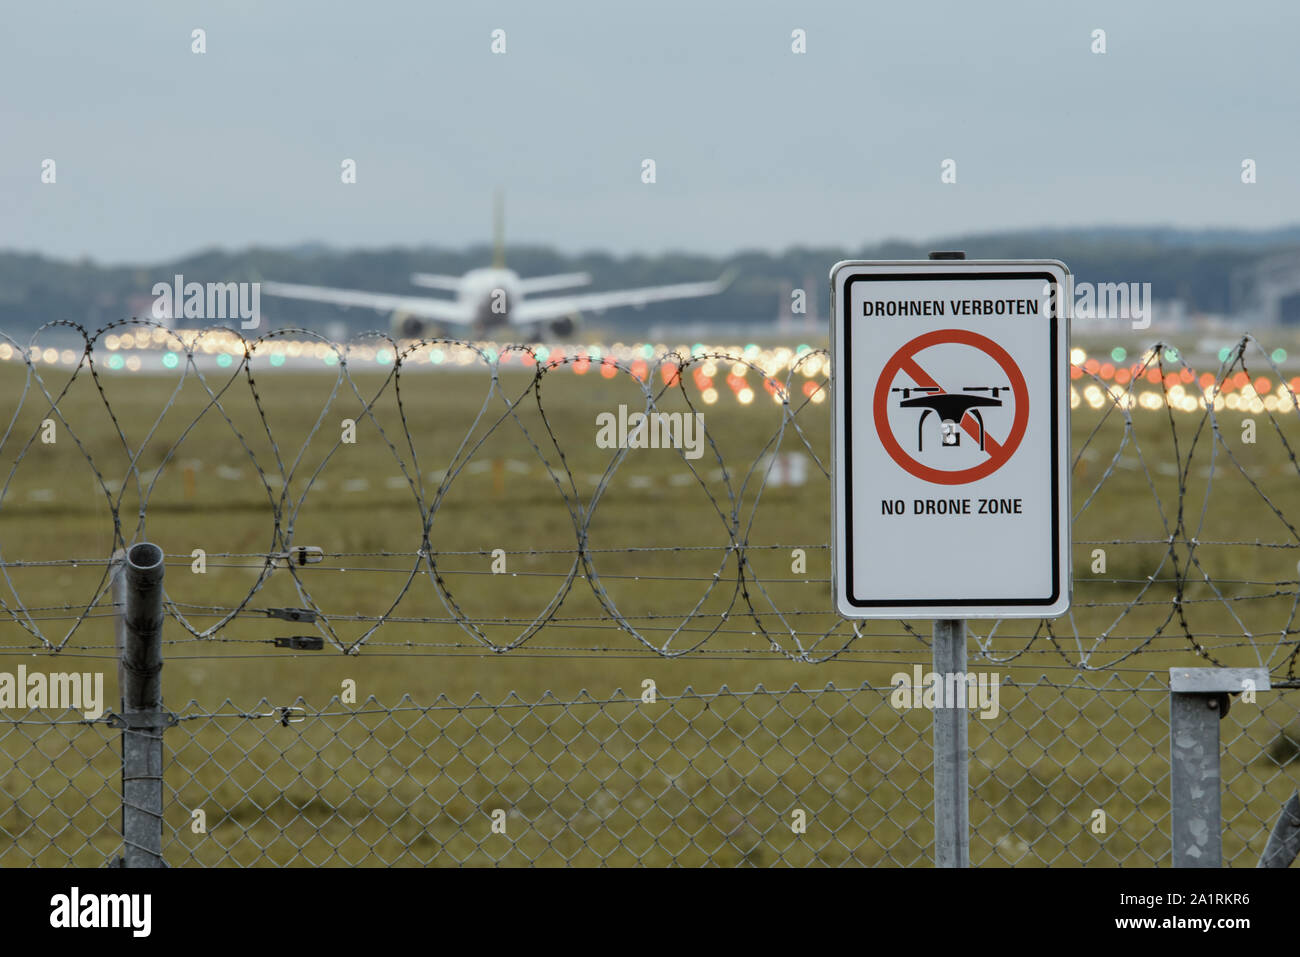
{"x":950,"y":412}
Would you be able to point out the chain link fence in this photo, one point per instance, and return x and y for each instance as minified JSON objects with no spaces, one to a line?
{"x":1064,"y":775}
{"x":421,"y":548}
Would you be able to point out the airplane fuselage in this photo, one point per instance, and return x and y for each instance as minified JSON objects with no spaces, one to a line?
{"x":489,"y":294}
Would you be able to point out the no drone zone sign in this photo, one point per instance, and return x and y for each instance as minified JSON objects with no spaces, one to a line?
{"x":950,"y":409}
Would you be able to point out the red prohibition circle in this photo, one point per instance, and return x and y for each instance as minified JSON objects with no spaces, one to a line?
{"x":1001,"y":453}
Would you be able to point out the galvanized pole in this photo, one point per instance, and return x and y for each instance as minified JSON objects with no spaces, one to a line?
{"x":951,"y":752}
{"x":1198,"y":700}
{"x":140,"y":668}
{"x":951,"y":742}
{"x":1194,"y":785}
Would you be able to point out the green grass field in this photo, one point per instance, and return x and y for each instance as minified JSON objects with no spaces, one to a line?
{"x":621,"y":782}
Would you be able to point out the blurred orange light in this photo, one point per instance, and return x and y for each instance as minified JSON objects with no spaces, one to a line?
{"x":1106,"y":371}
{"x":1091,"y":366}
{"x":1153,"y":376}
{"x":1075,"y":372}
{"x":669,"y":373}
{"x":1187,"y":375}
{"x":580,"y":366}
{"x":1206,"y":380}
{"x":1122,"y":376}
{"x":1262,"y":385}
{"x":608,"y":369}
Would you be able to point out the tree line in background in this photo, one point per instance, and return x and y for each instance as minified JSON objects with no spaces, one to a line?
{"x":1194,"y":267}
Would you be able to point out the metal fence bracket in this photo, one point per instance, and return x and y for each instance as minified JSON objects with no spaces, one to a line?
{"x":1198,"y":700}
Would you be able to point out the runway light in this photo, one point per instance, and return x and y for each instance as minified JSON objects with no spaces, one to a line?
{"x":133,"y":363}
{"x":1171,"y":355}
{"x":116,"y":362}
{"x":171,"y":360}
{"x":383,"y":357}
{"x":745,"y":396}
{"x":697,"y":349}
{"x":1224,"y":353}
{"x":608,"y":369}
{"x":1279,"y":355}
{"x":1119,"y":353}
{"x":278,"y":359}
{"x":709,"y":396}
{"x":224,"y":360}
{"x":580,"y":366}
{"x":1077,"y":356}
{"x":436,"y":356}
{"x":541,"y":352}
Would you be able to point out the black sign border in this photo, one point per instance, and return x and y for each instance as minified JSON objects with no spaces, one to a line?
{"x":846,"y":409}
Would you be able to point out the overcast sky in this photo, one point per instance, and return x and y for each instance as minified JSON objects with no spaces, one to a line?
{"x":160,"y":151}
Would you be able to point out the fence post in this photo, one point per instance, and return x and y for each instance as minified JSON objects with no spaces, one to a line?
{"x":1198,"y":700}
{"x":138,"y":586}
{"x":951,"y":752}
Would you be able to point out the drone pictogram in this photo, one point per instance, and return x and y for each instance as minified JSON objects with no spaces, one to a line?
{"x":951,"y":408}
{"x":914,"y":378}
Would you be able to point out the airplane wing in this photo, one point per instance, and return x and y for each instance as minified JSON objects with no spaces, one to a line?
{"x":566,"y":280}
{"x":425,"y":307}
{"x":435,"y":281}
{"x":533,"y":310}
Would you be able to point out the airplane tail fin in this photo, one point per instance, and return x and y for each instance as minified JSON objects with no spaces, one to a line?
{"x":498,"y":231}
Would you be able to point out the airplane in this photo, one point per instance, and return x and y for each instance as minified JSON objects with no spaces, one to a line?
{"x":490,"y":300}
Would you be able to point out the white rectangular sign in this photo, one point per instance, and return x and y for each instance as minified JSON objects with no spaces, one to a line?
{"x":950,"y":407}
